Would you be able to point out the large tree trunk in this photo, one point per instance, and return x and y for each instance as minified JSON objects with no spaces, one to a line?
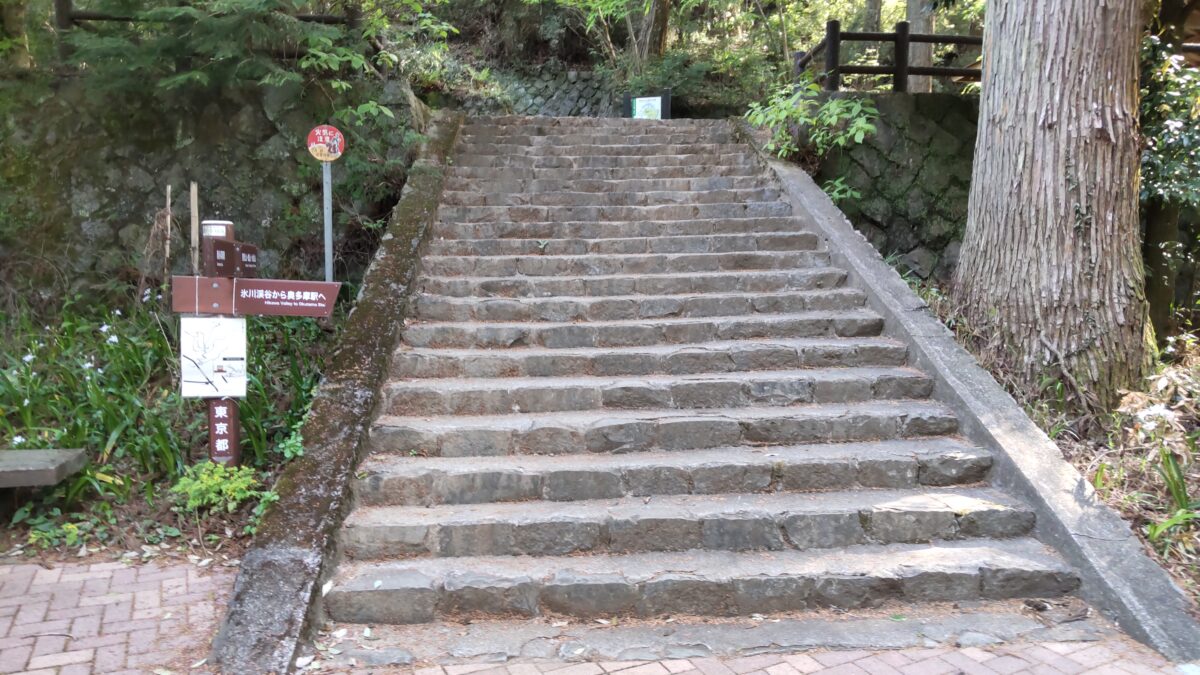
{"x":656,"y":29}
{"x":12,"y":30}
{"x":1051,"y":268}
{"x":920,"y":20}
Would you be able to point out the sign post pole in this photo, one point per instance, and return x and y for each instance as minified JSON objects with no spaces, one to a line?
{"x":327,"y":179}
{"x":326,"y":143}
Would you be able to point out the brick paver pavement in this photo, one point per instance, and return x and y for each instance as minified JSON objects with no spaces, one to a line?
{"x":1115,"y":656}
{"x":77,"y":619}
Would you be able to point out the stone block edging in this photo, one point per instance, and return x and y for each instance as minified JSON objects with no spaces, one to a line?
{"x":278,"y":586}
{"x":1118,"y":577}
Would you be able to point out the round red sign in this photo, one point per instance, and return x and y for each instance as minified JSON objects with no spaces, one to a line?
{"x":326,"y":143}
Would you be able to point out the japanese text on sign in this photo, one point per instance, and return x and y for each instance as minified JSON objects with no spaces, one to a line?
{"x":326,"y":143}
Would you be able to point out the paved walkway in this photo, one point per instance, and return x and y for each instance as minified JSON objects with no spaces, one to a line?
{"x":77,"y":619}
{"x":1118,"y":657}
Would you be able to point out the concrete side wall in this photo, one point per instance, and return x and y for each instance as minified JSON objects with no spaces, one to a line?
{"x":914,"y":176}
{"x":277,"y":593}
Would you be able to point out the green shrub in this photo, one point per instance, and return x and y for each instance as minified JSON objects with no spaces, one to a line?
{"x":806,"y":124}
{"x":215,"y":487}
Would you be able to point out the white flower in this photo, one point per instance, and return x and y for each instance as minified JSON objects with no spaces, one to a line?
{"x":104,"y":328}
{"x":112,"y":339}
{"x":26,"y":403}
{"x":117,"y":312}
{"x":18,"y":440}
{"x":28,"y":357}
{"x":87,"y":365}
{"x":100,"y":371}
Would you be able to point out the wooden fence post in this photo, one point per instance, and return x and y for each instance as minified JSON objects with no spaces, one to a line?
{"x":833,"y":55}
{"x":900,"y":78}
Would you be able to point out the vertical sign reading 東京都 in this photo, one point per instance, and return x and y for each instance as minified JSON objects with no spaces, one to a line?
{"x":212,"y":352}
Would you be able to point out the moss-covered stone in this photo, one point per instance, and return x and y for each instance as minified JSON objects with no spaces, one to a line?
{"x":913,"y":175}
{"x":270,"y":610}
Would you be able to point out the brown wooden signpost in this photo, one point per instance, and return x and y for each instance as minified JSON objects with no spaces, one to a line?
{"x":230,"y":288}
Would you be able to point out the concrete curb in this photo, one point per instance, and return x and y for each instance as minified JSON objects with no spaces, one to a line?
{"x":277,"y":589}
{"x":1118,"y":576}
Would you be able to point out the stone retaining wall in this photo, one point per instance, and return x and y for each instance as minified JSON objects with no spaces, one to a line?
{"x":551,"y":92}
{"x":914,"y":177}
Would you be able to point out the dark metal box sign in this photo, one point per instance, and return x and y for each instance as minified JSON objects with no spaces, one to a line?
{"x":246,"y":297}
{"x":231,"y":259}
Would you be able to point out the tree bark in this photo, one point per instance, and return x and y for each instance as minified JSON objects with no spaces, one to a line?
{"x":657,"y":25}
{"x":872,"y":16}
{"x":1051,"y":267}
{"x":920,"y":20}
{"x":12,"y":30}
{"x":1160,"y":251}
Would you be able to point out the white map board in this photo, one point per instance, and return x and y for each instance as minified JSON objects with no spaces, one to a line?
{"x":647,"y":108}
{"x":212,"y":352}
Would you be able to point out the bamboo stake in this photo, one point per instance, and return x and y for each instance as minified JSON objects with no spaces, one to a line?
{"x":167,"y":241}
{"x":195,"y":208}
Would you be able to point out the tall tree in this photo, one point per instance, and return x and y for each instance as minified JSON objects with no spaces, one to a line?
{"x":872,"y":16}
{"x":919,"y":15}
{"x":1051,"y":265}
{"x":14,"y":44}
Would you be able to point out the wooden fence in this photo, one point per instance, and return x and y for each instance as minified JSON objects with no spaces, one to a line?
{"x":831,"y":48}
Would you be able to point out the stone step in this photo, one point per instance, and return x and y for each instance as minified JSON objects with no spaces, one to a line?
{"x":641,"y":198}
{"x":502,"y":183}
{"x":618,"y":125}
{"x":742,"y":157}
{"x":710,"y":583}
{"x":749,"y":281}
{"x":497,"y":396}
{"x":590,"y":229}
{"x":385,"y":480}
{"x":595,"y":138}
{"x":526,"y":151}
{"x":526,"y":214}
{"x":758,"y":641}
{"x":620,"y":431}
{"x":707,"y":243}
{"x":613,"y":264}
{"x":623,"y":307}
{"x":852,"y":323}
{"x":726,"y":522}
{"x":710,"y":357}
{"x":692,"y":170}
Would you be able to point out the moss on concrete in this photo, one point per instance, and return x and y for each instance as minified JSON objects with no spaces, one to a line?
{"x":275,"y":597}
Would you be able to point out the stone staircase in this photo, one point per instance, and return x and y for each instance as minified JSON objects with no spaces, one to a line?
{"x":635,"y":386}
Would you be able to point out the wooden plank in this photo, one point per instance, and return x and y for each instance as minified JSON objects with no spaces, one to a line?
{"x":946,"y":39}
{"x":33,"y":468}
{"x":252,"y":297}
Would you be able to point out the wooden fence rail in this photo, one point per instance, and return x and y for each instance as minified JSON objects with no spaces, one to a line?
{"x":831,"y":48}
